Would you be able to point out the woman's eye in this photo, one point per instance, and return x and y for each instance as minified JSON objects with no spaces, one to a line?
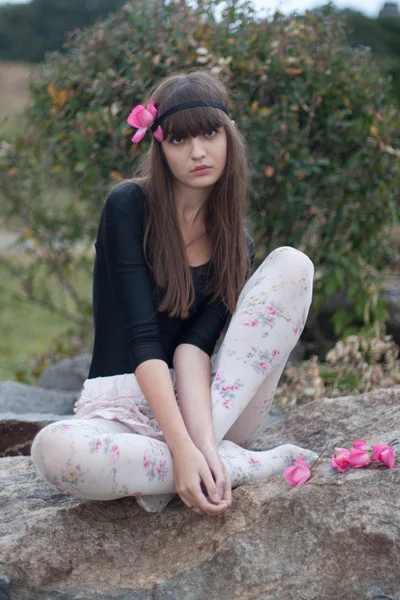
{"x":175,"y":140}
{"x":212,"y":133}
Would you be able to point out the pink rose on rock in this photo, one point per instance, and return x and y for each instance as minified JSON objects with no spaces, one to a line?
{"x":384,"y":453}
{"x":298,"y":473}
{"x":359,"y":456}
{"x":340,"y":460}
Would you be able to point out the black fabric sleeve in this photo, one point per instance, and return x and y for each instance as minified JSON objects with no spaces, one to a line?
{"x":123,"y":230}
{"x":207,"y":326}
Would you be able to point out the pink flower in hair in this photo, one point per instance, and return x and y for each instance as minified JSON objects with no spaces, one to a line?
{"x":142,"y":119}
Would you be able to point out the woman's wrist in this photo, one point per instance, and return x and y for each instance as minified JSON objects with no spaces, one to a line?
{"x":207,"y":444}
{"x":181,"y":445}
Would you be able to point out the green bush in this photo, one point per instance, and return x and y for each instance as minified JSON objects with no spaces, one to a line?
{"x":321,"y":132}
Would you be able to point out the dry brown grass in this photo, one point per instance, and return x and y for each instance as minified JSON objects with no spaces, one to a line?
{"x":14,"y":88}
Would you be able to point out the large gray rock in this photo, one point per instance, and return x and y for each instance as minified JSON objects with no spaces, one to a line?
{"x":18,"y":431}
{"x":68,"y":374}
{"x":392,"y":298}
{"x":336,"y":538}
{"x":391,"y":295}
{"x":21,"y":398}
{"x":337,"y":421}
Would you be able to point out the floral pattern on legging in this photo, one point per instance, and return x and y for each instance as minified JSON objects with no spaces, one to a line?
{"x":156,"y":467}
{"x":246,"y":466}
{"x":101,"y":459}
{"x":227,"y":391}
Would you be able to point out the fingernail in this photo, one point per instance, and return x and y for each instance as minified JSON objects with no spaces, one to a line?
{"x":220,"y":492}
{"x":215,"y":498}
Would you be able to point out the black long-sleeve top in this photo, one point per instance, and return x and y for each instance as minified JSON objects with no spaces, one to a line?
{"x":127,"y":327}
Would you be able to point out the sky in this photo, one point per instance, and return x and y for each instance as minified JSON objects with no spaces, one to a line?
{"x":368,"y":7}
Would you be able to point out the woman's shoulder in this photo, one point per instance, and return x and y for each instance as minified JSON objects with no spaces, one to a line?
{"x":128,"y":198}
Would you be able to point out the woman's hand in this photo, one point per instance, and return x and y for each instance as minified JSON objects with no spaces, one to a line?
{"x":191,"y":473}
{"x":219,"y":471}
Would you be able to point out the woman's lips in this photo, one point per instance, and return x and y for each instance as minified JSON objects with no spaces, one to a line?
{"x":201,"y":170}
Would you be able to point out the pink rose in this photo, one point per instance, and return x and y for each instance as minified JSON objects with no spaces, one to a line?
{"x":142,"y":118}
{"x":298,"y":473}
{"x":385,"y":454}
{"x":361,"y":445}
{"x":340,"y":460}
{"x":359,"y":458}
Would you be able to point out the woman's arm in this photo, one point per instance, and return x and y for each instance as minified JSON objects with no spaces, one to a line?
{"x":193,"y":381}
{"x":190,"y":465}
{"x":155,"y":382}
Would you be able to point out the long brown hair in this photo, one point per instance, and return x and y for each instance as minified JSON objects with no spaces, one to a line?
{"x":225,"y":208}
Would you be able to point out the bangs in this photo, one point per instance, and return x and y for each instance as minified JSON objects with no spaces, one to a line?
{"x":193,"y":122}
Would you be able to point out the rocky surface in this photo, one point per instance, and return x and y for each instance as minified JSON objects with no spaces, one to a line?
{"x":391,"y":296}
{"x":24,"y":410}
{"x":17,"y":431}
{"x":336,"y":538}
{"x":68,"y":374}
{"x":338,"y":421}
{"x":21,"y":399}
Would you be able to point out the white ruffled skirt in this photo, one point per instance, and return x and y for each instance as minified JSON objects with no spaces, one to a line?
{"x":119,"y":398}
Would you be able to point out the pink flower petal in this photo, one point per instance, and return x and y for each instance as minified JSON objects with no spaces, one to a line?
{"x":361,"y":445}
{"x":140,"y":117}
{"x":340,"y":460}
{"x":298,"y":473}
{"x":305,"y":477}
{"x":133,"y":119}
{"x":158,"y":134}
{"x":139,"y":135}
{"x":359,"y":458}
{"x":340,"y":467}
{"x":152,"y":109}
{"x":384,"y":453}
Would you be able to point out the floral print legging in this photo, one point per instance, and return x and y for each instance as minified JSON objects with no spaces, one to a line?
{"x":101,"y":459}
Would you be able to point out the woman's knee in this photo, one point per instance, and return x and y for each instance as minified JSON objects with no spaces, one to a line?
{"x":296,"y":259}
{"x":51,"y":449}
{"x":45,"y":442}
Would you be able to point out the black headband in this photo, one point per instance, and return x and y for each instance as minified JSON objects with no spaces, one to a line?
{"x":182,"y":106}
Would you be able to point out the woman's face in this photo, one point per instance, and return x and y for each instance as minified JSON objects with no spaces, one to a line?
{"x":185,"y":155}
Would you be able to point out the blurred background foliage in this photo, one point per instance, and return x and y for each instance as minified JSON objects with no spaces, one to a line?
{"x":28,"y":31}
{"x":321,"y":121}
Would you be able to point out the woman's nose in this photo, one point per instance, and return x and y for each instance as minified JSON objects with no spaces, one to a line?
{"x":197,"y":147}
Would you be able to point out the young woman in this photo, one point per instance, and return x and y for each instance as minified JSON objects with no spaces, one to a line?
{"x":162,"y":412}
